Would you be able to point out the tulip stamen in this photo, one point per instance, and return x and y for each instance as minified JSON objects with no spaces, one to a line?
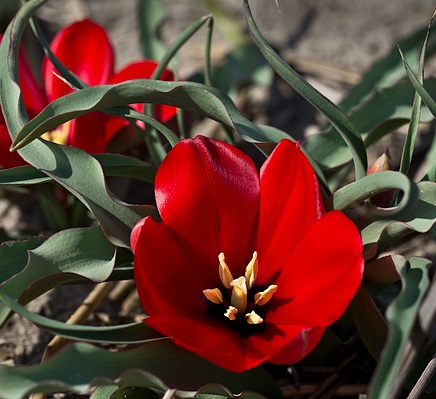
{"x":231,"y":313}
{"x":251,"y":271}
{"x":58,"y":135}
{"x":261,"y":298}
{"x":225,"y":274}
{"x":253,"y":318}
{"x":237,"y":298}
{"x":214,"y":295}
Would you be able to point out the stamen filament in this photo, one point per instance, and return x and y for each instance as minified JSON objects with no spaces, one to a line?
{"x":261,"y":298}
{"x":251,"y":271}
{"x":225,"y":274}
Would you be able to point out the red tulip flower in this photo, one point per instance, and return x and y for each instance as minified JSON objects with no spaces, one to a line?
{"x":243,"y":269}
{"x":85,"y":49}
{"x":34,"y":99}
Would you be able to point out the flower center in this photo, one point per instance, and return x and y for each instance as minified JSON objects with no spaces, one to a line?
{"x":237,"y":296}
{"x":58,"y":135}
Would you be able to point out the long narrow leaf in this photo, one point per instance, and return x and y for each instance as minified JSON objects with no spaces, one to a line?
{"x":22,"y":175}
{"x":69,"y":166}
{"x":420,"y":219}
{"x":155,"y":365}
{"x":190,"y":96}
{"x":151,"y":16}
{"x":119,"y":334}
{"x":63,"y":257}
{"x":336,"y":117}
{"x":401,"y":315}
{"x":409,"y":144}
{"x":384,"y":111}
{"x":388,"y":70}
{"x":373,"y":184}
{"x":156,"y":148}
{"x":425,"y":95}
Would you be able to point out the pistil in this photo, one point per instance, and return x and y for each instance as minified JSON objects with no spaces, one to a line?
{"x":239,"y":294}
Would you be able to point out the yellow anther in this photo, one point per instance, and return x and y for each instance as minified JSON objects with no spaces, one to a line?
{"x":253,"y":318}
{"x":238,"y":298}
{"x":251,"y":270}
{"x":58,"y":135}
{"x":231,"y":313}
{"x":225,"y":274}
{"x":261,"y":298}
{"x":214,"y":295}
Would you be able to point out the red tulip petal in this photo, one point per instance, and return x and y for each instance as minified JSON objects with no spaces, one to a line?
{"x":280,"y":344}
{"x":8,"y":159}
{"x":207,"y":193}
{"x":85,"y":49}
{"x":322,"y":275}
{"x":33,"y":94}
{"x":87,"y":133}
{"x":144,"y":70}
{"x":298,"y":347}
{"x":135,"y":234}
{"x":167,"y":284}
{"x":207,"y":337}
{"x":290,"y":204}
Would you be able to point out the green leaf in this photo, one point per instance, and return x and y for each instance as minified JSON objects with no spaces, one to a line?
{"x":429,"y":164}
{"x":388,"y":70}
{"x":382,"y":272}
{"x":151,"y":16}
{"x":104,"y":392}
{"x":401,"y":315}
{"x":412,"y":132}
{"x":215,"y":391}
{"x":112,"y":164}
{"x":119,"y":334}
{"x":130,"y":393}
{"x":335,"y":116}
{"x":425,"y":95}
{"x":14,"y":256}
{"x":156,"y":365}
{"x":373,"y":184}
{"x":242,"y":65}
{"x":22,"y":175}
{"x":122,"y":165}
{"x":69,"y":166}
{"x":229,"y":25}
{"x":370,"y":324}
{"x":60,"y":259}
{"x":420,"y":218}
{"x":70,"y":77}
{"x":157,"y":151}
{"x":384,"y":111}
{"x":421,"y":346}
{"x":418,"y":81}
{"x":195,"y":97}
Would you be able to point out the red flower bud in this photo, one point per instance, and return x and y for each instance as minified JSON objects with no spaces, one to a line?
{"x":382,"y":163}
